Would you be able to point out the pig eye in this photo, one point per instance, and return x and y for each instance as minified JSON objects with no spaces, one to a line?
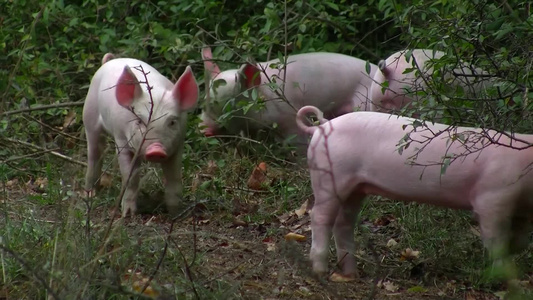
{"x":173,"y":122}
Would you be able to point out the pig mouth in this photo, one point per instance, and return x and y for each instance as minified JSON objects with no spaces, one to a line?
{"x":155,"y":153}
{"x":210,"y":131}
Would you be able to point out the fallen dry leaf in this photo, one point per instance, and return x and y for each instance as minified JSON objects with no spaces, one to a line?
{"x":149,"y":291}
{"x":392,"y":243}
{"x":391,"y":287}
{"x":41,"y":182}
{"x":384,"y":220}
{"x":38,"y":185}
{"x":271,"y":247}
{"x":238,"y":222}
{"x":475,"y":231}
{"x":336,"y":277}
{"x":295,"y":237}
{"x":270,"y":243}
{"x":12,"y":182}
{"x":301,"y":211}
{"x":195,"y":182}
{"x":258,"y":177}
{"x":70,"y":119}
{"x":409,"y":254}
{"x":138,"y":281}
{"x":211,"y":167}
{"x":106,"y":180}
{"x":285,"y":217}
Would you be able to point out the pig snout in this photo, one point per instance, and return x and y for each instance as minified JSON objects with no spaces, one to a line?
{"x":209,"y":131}
{"x":208,"y":126}
{"x":155,"y":153}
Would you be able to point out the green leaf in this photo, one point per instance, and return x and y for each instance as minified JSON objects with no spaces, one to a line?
{"x":333,"y":5}
{"x":445,"y":164}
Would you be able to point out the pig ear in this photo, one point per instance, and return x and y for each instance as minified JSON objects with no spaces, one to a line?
{"x":252,"y":75}
{"x":185,"y":91}
{"x":209,"y":65}
{"x":128,"y":88}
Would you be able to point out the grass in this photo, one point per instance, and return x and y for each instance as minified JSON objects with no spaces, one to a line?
{"x":207,"y":254}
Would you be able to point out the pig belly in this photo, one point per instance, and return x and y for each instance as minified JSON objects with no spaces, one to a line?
{"x":437,"y":198}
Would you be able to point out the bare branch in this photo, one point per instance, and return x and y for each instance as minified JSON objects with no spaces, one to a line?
{"x":42,"y":107}
{"x":54,"y":153}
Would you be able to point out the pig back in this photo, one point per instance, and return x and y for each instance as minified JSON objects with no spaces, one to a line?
{"x":327,"y":81}
{"x":334,"y":83}
{"x":363,"y":150}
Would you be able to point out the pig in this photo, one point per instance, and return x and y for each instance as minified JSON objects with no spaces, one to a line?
{"x":407,"y":73}
{"x":335,"y":83}
{"x":145,"y":112}
{"x":371,"y":153}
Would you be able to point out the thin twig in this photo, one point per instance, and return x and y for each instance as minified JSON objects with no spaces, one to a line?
{"x":57,"y":154}
{"x":42,"y":107}
{"x":57,"y":130}
{"x":28,"y":155}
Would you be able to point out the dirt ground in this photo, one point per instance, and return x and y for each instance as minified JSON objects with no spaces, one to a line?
{"x":273,"y":268}
{"x":277,"y":267}
{"x":259,"y":261}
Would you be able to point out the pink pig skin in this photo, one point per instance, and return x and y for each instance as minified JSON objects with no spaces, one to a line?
{"x":405,"y":75}
{"x":118,"y":103}
{"x":356,"y":155}
{"x":335,"y":83}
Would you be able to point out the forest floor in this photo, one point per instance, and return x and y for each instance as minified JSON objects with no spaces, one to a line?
{"x":225,"y":254}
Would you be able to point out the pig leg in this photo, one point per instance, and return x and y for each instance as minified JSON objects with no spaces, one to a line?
{"x":343,"y":231}
{"x":127,"y":167}
{"x":95,"y":148}
{"x":495,"y":216}
{"x":323,"y":217}
{"x":173,"y":182}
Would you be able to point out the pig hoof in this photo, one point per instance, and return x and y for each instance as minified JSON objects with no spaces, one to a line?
{"x":129,"y":210}
{"x":127,"y":213}
{"x":336,"y":277}
{"x":90,"y":193}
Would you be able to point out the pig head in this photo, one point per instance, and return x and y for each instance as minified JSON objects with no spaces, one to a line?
{"x":146,"y":114}
{"x":407,"y":76}
{"x":404,"y":159}
{"x":335,"y":83}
